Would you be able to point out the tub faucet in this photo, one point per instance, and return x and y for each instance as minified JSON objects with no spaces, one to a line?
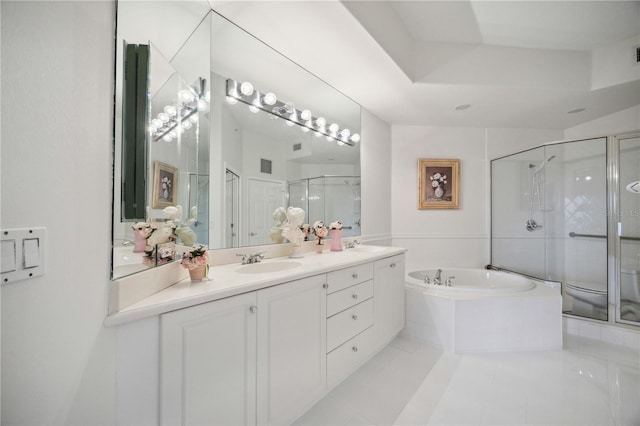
{"x":437,"y":280}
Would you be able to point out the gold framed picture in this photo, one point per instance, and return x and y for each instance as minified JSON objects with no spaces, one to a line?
{"x":165,"y":185}
{"x":438,"y":183}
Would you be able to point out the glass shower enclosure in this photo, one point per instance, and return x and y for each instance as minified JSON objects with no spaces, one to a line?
{"x":560,"y":212}
{"x":343,"y":205}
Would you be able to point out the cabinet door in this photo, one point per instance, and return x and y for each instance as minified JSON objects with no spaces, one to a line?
{"x":389,"y":309}
{"x":208,"y":363}
{"x":291,"y":349}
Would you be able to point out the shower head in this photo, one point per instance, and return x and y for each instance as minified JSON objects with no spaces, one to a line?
{"x":541,"y":166}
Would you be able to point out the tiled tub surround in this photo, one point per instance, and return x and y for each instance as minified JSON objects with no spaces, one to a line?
{"x":529,"y":317}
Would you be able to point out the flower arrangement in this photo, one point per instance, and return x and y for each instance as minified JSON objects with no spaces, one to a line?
{"x":335,"y":226}
{"x":320,"y":230}
{"x":306,"y":231}
{"x":438,"y":179}
{"x":195,"y":258}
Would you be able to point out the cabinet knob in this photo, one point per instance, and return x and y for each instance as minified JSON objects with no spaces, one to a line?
{"x":393,"y":265}
{"x":355,"y":349}
{"x":355,"y":317}
{"x":355,"y":296}
{"x":355,"y":276}
{"x":325,"y":285}
{"x":253,"y":309}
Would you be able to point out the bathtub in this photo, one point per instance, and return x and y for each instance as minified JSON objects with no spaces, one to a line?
{"x":473,"y":281}
{"x":483,"y":311}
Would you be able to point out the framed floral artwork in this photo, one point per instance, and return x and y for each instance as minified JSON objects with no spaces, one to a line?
{"x":438,"y":183}
{"x":165,"y":185}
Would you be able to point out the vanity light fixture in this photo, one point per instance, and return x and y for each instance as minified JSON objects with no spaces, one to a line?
{"x":269,"y":103}
{"x":181,"y":115}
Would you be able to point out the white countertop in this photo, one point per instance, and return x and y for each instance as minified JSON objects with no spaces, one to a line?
{"x":225,"y":281}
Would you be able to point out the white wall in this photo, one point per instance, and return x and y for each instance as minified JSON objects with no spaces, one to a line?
{"x":459,"y":237}
{"x":58,"y":363}
{"x":624,"y":121}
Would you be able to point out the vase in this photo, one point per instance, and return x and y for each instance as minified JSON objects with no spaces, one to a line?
{"x":319,"y":247}
{"x":198,"y":274}
{"x":336,"y":239}
{"x":140,"y":242}
{"x":439,"y":192}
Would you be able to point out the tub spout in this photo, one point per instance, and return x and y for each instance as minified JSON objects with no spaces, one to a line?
{"x":437,"y":280}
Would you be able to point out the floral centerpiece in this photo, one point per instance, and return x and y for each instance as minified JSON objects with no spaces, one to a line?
{"x":141,"y":231}
{"x":438,"y":180}
{"x":320,"y":231}
{"x":195,"y":261}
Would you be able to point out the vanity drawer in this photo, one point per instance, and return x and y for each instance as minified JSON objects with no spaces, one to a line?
{"x":343,"y":326}
{"x":343,"y":360}
{"x":338,"y":280}
{"x":343,"y":299}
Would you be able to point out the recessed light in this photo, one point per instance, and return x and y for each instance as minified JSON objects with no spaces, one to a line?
{"x":463,"y":107}
{"x":575,"y":111}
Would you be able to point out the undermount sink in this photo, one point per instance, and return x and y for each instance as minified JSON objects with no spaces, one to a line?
{"x":264,"y":268}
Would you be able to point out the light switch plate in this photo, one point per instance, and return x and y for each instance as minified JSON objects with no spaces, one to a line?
{"x":23,"y":254}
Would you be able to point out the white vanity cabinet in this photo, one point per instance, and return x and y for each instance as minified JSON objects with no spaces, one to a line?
{"x":208,"y":363}
{"x":291,"y":349}
{"x":255,"y":358}
{"x":389,"y":298}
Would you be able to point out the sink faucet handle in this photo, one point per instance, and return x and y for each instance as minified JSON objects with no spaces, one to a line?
{"x":427,"y":280}
{"x":448,"y":281}
{"x":245,"y":257}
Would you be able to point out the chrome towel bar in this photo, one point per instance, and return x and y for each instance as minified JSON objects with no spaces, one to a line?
{"x":573,"y":235}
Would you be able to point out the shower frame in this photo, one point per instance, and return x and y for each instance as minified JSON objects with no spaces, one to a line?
{"x":613,"y":246}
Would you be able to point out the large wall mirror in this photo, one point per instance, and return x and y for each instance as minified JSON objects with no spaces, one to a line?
{"x":215,"y":131}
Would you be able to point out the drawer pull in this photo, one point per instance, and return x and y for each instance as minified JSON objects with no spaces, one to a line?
{"x":355,"y":296}
{"x":253,"y":309}
{"x":355,"y":276}
{"x":325,"y":285}
{"x":355,"y":349}
{"x":393,"y":265}
{"x":355,"y":317}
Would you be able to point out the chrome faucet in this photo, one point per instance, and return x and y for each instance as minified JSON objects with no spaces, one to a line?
{"x":351,"y":244}
{"x":448,"y":281}
{"x":248,"y":258}
{"x":437,"y":280}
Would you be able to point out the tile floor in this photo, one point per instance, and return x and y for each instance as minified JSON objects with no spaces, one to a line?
{"x":409,"y":383}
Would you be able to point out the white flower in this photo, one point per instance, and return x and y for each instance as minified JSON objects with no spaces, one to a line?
{"x":436,"y":176}
{"x":435,"y":183}
{"x":172,"y":212}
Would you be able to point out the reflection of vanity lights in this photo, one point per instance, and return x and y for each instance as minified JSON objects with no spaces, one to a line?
{"x":268,"y":102}
{"x":175,"y":119}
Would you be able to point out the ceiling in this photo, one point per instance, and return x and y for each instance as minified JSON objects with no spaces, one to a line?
{"x":522,"y":64}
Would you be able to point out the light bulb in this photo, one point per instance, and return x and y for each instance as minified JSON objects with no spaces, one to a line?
{"x":345,"y":133}
{"x":231,"y":100}
{"x":334,"y":128}
{"x":293,"y":116}
{"x":163,"y":116}
{"x":173,"y":134}
{"x":317,"y":134}
{"x":330,"y":139}
{"x":355,"y":138}
{"x":167,"y":138}
{"x":304,"y":129}
{"x":246,"y":88}
{"x":203,"y":105}
{"x":180,"y":129}
{"x":289,"y":123}
{"x":157,"y":123}
{"x":321,"y":122}
{"x":186,"y":95}
{"x":309,"y":124}
{"x":269,"y":98}
{"x":254,"y":109}
{"x":340,"y":143}
{"x":186,"y":124}
{"x":306,"y":115}
{"x":171,"y":110}
{"x":193,"y":118}
{"x":256,"y":102}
